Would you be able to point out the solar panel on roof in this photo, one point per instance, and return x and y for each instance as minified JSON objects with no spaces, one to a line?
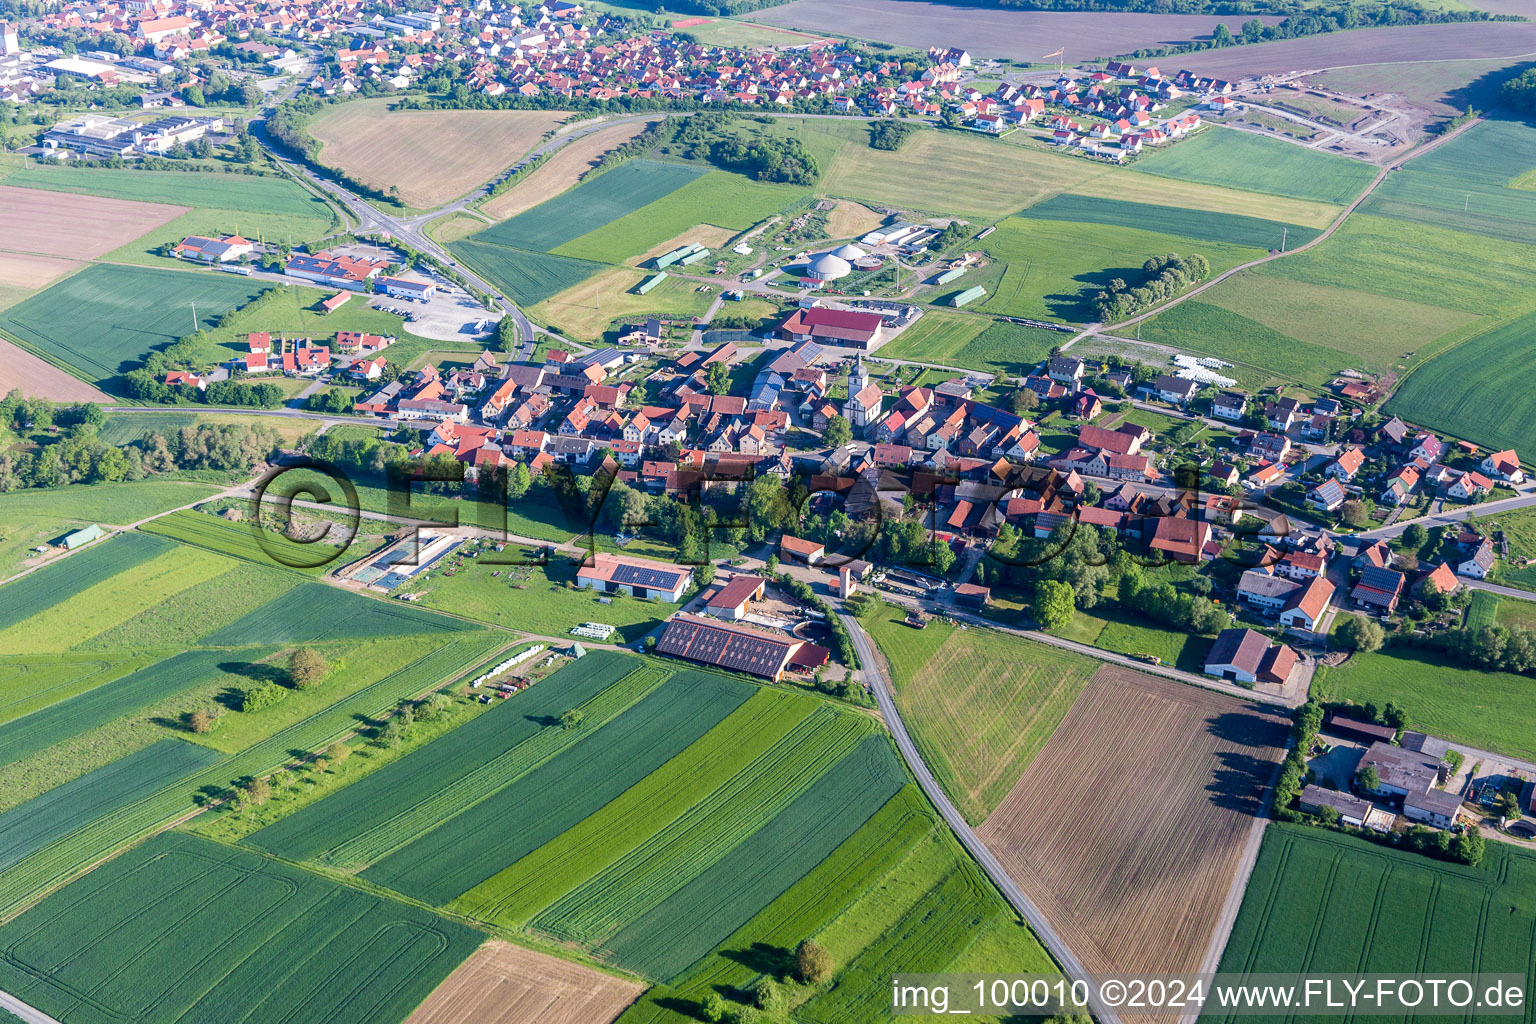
{"x":639,"y":576}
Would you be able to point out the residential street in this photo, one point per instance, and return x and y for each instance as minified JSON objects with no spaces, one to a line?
{"x":1525,"y":500}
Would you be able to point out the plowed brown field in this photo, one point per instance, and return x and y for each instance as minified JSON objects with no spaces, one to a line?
{"x":562,"y":170}
{"x":76,"y":226}
{"x":39,"y":379}
{"x":1129,"y":826}
{"x":506,"y":984}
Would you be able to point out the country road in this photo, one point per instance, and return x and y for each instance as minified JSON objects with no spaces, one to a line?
{"x":1487,"y":508}
{"x":875,"y":677}
{"x":15,"y":1006}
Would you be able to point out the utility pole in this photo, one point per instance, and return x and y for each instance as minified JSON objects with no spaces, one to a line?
{"x":1284,"y":231}
{"x":1466,"y":203}
{"x":194,"y":318}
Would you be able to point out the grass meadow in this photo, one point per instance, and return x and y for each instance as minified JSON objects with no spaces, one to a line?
{"x":587,"y":309}
{"x":952,"y":172}
{"x":1052,"y":269}
{"x":32,"y":517}
{"x":1243,"y":160}
{"x":981,"y":704}
{"x":1441,"y":696}
{"x":973,"y":342}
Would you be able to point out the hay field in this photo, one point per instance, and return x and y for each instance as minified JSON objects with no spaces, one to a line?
{"x":563,"y":169}
{"x":850,"y":220}
{"x":711,"y":236}
{"x":431,"y":156}
{"x":981,"y":704}
{"x":1243,"y":160}
{"x":97,"y":225}
{"x":1129,"y":826}
{"x":505,"y":984}
{"x":949,"y":173}
{"x":585,"y":310}
{"x":1137,"y":187}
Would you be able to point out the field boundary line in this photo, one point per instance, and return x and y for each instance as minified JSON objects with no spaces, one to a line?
{"x":872,"y":673}
{"x":1327,"y":233}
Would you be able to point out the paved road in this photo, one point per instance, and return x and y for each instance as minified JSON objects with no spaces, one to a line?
{"x":1495,"y":588}
{"x":1443,"y":518}
{"x":13,"y":1005}
{"x":872,"y":675}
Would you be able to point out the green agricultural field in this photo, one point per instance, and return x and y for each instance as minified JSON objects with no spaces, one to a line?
{"x":264,"y":207}
{"x":311,"y":612}
{"x":1237,"y":159}
{"x":705,"y":911}
{"x":26,"y":829}
{"x":803,"y":909}
{"x":1052,"y":269}
{"x":1483,"y":610}
{"x":1205,"y":225}
{"x":245,"y":192}
{"x":63,"y":720}
{"x":1476,"y":390}
{"x":956,"y":173}
{"x":296,"y":312}
{"x":981,"y":704}
{"x":616,"y":832}
{"x":29,"y":683}
{"x":453,"y":858}
{"x":527,"y":277}
{"x":181,"y":928}
{"x":974,"y":342}
{"x":548,"y":603}
{"x":112,"y":602}
{"x":595,"y":202}
{"x":237,"y":540}
{"x":643,"y":875}
{"x":1467,"y":184}
{"x":1385,"y":256}
{"x":1440,"y":696}
{"x":407,"y":799}
{"x":39,"y":516}
{"x":719,"y":197}
{"x":106,"y":318}
{"x":182,"y":619}
{"x":51,"y":866}
{"x":58,"y":583}
{"x":1367,"y":332}
{"x":1319,"y":901}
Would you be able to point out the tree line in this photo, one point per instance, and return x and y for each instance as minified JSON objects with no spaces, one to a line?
{"x":78,"y":455}
{"x":1163,"y":278}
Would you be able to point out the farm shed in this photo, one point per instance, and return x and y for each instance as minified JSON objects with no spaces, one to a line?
{"x":83,"y":536}
{"x":1355,"y":729}
{"x":620,"y":574}
{"x":732,"y":600}
{"x":1352,"y":810}
{"x":756,"y":652}
{"x":968,"y":296}
{"x":644,"y":288}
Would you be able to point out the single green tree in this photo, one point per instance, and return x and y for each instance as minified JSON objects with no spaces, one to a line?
{"x":838,"y":432}
{"x":813,"y":964}
{"x":572,"y":718}
{"x":1052,"y":607}
{"x":1369,"y":779}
